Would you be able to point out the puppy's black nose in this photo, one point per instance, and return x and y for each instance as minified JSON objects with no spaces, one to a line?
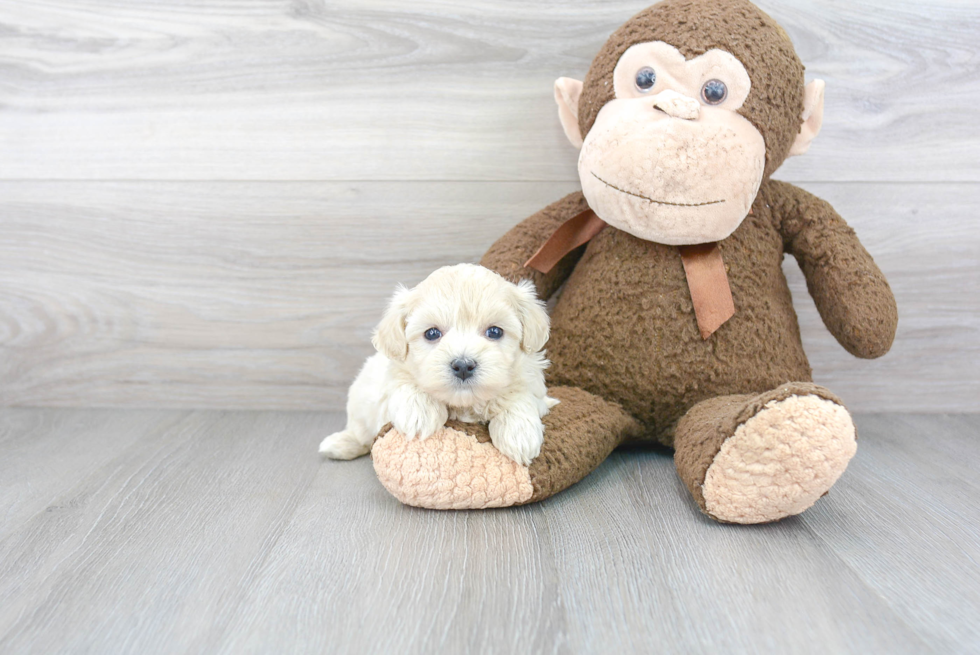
{"x":463,"y":367}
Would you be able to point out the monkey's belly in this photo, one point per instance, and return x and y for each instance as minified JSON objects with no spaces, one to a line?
{"x":624,"y":329}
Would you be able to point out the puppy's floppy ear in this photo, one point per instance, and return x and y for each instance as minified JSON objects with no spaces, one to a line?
{"x":389,"y":337}
{"x":534,"y":318}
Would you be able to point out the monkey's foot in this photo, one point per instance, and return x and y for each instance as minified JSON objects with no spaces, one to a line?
{"x":458,"y":467}
{"x":455,"y":468}
{"x":782,"y":452}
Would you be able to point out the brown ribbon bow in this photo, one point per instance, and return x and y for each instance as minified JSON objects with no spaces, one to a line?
{"x":703,"y":266}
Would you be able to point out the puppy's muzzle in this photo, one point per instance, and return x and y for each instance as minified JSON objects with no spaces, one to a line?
{"x":463,"y":367}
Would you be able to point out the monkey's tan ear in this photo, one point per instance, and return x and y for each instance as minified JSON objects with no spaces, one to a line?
{"x":812,"y":117}
{"x":389,"y":337}
{"x":567,"y":93}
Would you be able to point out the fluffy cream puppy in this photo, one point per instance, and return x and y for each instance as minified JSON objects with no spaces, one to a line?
{"x":464,"y":344}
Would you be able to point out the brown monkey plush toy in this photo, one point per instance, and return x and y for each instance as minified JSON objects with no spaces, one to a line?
{"x":675,"y":324}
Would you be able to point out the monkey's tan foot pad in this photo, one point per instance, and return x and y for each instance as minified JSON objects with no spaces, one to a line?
{"x":780,"y":461}
{"x":455,"y":468}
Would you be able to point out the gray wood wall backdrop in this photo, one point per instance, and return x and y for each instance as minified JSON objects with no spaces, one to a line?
{"x":206,"y":204}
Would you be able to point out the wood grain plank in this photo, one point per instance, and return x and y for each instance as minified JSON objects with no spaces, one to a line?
{"x":47,"y":453}
{"x":263,"y":295}
{"x":357,"y":572}
{"x":635,"y":555}
{"x":626,"y":560}
{"x":908,"y":506}
{"x":223,"y":532}
{"x":381,"y":90}
{"x":148,"y":553}
{"x":215,"y":294}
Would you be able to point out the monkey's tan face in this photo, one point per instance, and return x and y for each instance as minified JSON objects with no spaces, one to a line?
{"x":669,"y":160}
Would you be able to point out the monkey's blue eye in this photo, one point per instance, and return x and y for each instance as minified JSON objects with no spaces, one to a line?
{"x":714,"y":92}
{"x":646,"y":77}
{"x":432,"y":334}
{"x":494,"y":333}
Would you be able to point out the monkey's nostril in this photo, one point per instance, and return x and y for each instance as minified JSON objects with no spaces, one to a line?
{"x":676,"y":105}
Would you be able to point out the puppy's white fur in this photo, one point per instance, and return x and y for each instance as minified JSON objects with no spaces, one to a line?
{"x":411,"y":384}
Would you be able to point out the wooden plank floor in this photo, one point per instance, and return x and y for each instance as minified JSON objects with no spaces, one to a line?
{"x":222,"y":532}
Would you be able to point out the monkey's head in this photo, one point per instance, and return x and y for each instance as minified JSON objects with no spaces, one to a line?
{"x":687,"y":108}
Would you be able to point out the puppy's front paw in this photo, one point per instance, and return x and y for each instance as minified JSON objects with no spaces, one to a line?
{"x":343,"y":445}
{"x":519,"y":436}
{"x":417,"y":415}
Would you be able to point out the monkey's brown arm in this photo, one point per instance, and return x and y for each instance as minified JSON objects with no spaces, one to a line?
{"x":851,"y":293}
{"x":508,"y":254}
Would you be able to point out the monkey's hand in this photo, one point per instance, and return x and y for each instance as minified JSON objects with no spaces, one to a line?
{"x":849,"y":290}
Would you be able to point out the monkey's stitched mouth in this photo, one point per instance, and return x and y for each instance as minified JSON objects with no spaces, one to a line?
{"x":659,"y":202}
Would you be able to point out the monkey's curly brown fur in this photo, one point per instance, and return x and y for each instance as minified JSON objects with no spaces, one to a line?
{"x":628,"y":360}
{"x":624,"y":329}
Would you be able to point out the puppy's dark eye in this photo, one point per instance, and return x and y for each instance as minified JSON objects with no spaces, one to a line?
{"x":714,"y":92}
{"x":494,"y":333}
{"x":432,"y":334}
{"x":646,"y":77}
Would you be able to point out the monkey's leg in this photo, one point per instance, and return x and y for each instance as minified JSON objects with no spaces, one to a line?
{"x":761,"y":458}
{"x":458,"y":467}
